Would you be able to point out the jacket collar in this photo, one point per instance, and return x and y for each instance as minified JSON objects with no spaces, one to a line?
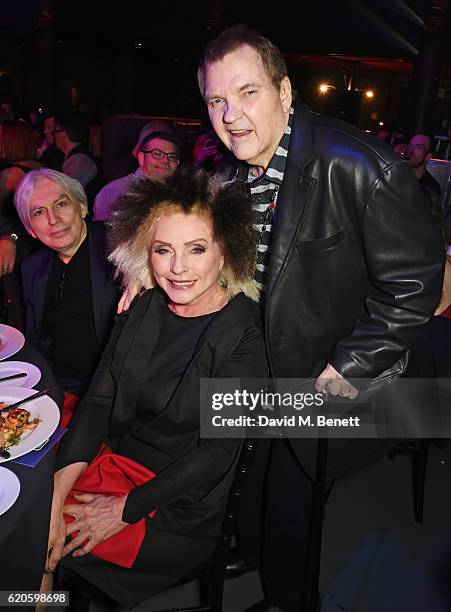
{"x":301,"y":141}
{"x":294,"y":195}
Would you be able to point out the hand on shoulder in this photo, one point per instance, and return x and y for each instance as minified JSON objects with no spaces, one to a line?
{"x":132,"y":290}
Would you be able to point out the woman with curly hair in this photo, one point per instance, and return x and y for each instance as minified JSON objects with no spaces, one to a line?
{"x":145,"y":493}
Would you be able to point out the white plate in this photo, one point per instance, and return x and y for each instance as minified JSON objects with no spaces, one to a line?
{"x":43,"y":408}
{"x":9,"y":368}
{"x":11,"y":341}
{"x":9,"y":489}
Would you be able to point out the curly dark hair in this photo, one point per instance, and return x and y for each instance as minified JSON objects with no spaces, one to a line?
{"x":226,"y":205}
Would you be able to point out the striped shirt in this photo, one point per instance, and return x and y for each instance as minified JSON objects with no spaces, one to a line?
{"x":264,"y":190}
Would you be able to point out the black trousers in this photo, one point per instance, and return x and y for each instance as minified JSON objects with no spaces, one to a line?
{"x":288,"y":514}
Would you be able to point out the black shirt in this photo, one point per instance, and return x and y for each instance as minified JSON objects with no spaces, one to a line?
{"x":428,"y":184}
{"x":52,"y":158}
{"x":69,"y":319}
{"x":174,"y":351}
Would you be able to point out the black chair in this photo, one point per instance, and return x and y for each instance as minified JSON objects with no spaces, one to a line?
{"x":418,"y":451}
{"x":210,"y":578}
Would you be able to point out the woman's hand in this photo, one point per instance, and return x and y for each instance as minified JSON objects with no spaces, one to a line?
{"x":57,"y":535}
{"x":97,"y":518}
{"x":64,"y":480}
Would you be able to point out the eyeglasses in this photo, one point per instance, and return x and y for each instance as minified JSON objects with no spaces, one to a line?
{"x":157,"y":154}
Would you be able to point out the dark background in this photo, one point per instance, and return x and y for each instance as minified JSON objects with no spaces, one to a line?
{"x":140,"y":57}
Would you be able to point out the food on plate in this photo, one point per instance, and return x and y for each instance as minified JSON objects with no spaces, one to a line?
{"x":13,"y":424}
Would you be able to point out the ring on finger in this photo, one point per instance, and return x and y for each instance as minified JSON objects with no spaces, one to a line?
{"x":5,"y":268}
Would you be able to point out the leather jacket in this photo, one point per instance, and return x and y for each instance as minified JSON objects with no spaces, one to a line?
{"x":357,"y":261}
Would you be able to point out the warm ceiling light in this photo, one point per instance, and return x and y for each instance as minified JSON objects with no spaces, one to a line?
{"x":324,"y":88}
{"x":369,"y":93}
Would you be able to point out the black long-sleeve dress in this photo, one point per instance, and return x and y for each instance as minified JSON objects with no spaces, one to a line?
{"x":144,"y":402}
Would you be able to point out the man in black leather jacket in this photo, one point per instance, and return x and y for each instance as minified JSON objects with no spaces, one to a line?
{"x":350,"y":262}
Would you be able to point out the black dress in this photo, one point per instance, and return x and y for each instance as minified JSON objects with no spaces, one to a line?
{"x":144,"y":401}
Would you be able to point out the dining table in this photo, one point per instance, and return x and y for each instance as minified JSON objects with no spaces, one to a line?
{"x":24,"y":527}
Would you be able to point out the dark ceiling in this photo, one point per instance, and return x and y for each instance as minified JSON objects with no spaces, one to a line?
{"x":142,"y":55}
{"x":386,"y":28}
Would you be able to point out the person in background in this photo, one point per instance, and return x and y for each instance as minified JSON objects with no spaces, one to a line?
{"x":33,"y":118}
{"x":84,"y":107}
{"x":400,"y":149}
{"x":158,"y":157}
{"x":430,"y":356}
{"x":418,"y":153}
{"x":128,"y":163}
{"x":383,"y":135}
{"x":156,"y":125}
{"x":49,"y":156}
{"x":68,"y":287}
{"x":71,"y":137}
{"x":207,"y":152}
{"x":6,"y":111}
{"x":18,"y":150}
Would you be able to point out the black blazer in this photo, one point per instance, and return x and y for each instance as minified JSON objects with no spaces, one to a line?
{"x":231,"y":346}
{"x":35,"y":273}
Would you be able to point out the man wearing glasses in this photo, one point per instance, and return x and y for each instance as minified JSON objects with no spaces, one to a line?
{"x":158,"y":157}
